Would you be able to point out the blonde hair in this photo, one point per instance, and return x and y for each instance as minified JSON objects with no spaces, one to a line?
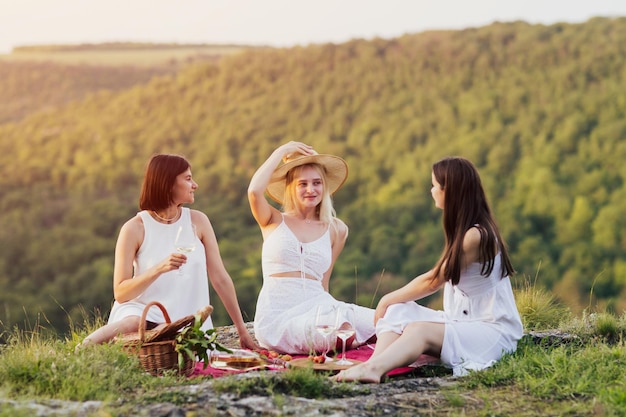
{"x":324,"y":209}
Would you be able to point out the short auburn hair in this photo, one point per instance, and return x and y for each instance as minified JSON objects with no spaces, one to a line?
{"x":159,"y":179}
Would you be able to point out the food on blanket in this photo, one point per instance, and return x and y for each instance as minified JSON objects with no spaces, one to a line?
{"x":237,"y":359}
{"x":317,"y":358}
{"x":271,"y":354}
{"x":243,"y":363}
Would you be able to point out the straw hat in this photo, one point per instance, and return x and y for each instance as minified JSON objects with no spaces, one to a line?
{"x":335,"y":168}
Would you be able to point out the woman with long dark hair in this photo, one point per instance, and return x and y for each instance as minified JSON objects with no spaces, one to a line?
{"x":479,"y":321}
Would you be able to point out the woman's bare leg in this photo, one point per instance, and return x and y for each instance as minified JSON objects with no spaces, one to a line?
{"x":384,"y":341}
{"x":417,"y":338}
{"x":109,"y":331}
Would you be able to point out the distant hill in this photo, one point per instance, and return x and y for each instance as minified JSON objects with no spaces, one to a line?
{"x":34,"y":78}
{"x":539,"y":109}
{"x":125,"y":53}
{"x":27,"y":87}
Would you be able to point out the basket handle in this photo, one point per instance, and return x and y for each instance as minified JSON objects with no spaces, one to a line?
{"x":142,"y":322}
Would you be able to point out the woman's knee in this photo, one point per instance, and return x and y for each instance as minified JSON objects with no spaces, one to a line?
{"x":430,"y":333}
{"x":416,"y":326}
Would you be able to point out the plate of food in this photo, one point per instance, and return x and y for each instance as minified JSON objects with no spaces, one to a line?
{"x":236,"y":360}
{"x":318,"y":364}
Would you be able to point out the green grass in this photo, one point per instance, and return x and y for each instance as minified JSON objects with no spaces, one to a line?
{"x":583,"y":376}
{"x":538,"y":308}
{"x":579,"y":378}
{"x":37,"y":365}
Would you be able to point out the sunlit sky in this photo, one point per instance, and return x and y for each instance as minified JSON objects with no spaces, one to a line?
{"x":268,"y":22}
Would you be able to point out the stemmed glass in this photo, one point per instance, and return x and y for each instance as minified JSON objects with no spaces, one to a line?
{"x":185,"y":241}
{"x":325,"y":322}
{"x":345,"y":329}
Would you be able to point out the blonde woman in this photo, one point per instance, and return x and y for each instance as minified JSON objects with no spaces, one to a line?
{"x":300,"y":247}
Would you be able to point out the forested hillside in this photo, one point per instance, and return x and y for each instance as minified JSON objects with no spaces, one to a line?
{"x":37,"y":78}
{"x":27,"y":87}
{"x":539,"y":109}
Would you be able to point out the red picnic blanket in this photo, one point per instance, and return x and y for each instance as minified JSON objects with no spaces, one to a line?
{"x":362,"y":353}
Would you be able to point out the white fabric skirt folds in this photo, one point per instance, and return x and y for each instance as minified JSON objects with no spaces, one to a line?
{"x":479,"y":329}
{"x":285,"y":316}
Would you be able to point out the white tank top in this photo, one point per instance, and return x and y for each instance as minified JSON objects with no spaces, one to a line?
{"x":181,"y":295}
{"x":283,"y":252}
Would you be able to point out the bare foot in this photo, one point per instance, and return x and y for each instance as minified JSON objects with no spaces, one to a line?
{"x":360,"y":373}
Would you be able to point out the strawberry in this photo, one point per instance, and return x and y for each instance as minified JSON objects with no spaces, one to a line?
{"x":319,"y":359}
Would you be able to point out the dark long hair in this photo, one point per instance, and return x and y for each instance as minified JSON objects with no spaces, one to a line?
{"x":158,"y":182}
{"x":466,"y":206}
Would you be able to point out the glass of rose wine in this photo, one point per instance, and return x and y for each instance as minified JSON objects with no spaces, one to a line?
{"x":325,"y":320}
{"x":345,"y":329}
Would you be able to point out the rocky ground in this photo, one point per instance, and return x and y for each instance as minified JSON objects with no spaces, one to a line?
{"x":401,"y":396}
{"x":409,"y":395}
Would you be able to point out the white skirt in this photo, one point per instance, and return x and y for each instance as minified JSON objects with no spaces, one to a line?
{"x":285,"y":316}
{"x":467,"y":345}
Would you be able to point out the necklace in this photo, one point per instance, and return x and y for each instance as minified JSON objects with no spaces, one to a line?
{"x":164,"y":219}
{"x":307,"y":221}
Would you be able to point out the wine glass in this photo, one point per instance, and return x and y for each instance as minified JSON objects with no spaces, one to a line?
{"x":345,"y":329}
{"x":325,"y":321}
{"x":185,"y":241}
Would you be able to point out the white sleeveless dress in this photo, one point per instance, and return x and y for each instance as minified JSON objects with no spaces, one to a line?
{"x":481,"y":319}
{"x":181,"y":295}
{"x":285,"y":312}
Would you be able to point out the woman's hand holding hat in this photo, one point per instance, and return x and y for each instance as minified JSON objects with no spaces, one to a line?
{"x":292,"y":148}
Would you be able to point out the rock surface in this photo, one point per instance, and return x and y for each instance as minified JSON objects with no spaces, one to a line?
{"x":409,"y":395}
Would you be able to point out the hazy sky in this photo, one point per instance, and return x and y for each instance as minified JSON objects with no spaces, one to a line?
{"x":268,"y":22}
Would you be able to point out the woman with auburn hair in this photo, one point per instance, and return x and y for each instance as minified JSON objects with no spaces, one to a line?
{"x":479,"y":321}
{"x":148,"y":268}
{"x":300,"y":246}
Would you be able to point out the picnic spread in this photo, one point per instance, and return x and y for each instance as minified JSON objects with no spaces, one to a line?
{"x":159,"y":351}
{"x":241,"y":361}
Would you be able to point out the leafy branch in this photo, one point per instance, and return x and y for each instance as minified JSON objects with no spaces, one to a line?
{"x":192,"y":341}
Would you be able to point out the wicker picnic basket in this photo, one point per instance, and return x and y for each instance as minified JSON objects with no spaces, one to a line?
{"x":156,"y":349}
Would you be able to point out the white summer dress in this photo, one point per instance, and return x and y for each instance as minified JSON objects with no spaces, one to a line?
{"x":481,"y":319}
{"x":285,"y":312}
{"x":181,"y":295}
